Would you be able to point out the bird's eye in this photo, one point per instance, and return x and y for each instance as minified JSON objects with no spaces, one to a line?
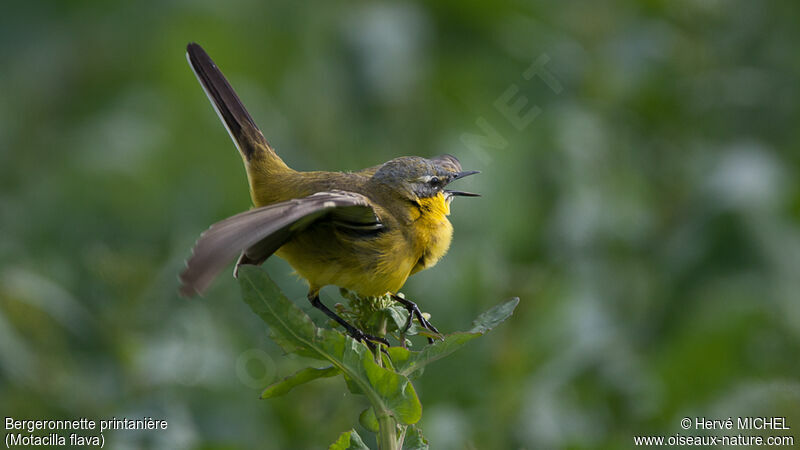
{"x":434,"y":181}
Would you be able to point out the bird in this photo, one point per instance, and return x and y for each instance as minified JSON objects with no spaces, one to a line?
{"x":366,"y":231}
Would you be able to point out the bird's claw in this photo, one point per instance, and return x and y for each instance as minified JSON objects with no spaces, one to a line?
{"x":368,"y":339}
{"x":414,"y":311}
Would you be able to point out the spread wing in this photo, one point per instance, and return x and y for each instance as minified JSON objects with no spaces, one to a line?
{"x":258,"y":233}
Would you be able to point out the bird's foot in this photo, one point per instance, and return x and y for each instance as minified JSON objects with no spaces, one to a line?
{"x":354,"y":332}
{"x":414,"y":311}
{"x":368,"y":339}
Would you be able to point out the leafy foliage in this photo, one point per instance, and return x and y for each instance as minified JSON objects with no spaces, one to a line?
{"x":349,"y":440}
{"x":388,"y":390}
{"x":414,"y":439}
{"x":298,"y":378}
{"x":383,"y":380}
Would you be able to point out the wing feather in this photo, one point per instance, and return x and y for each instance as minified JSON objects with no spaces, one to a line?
{"x":241,"y":127}
{"x":259,"y":232}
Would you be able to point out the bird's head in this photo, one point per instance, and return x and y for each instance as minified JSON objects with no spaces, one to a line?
{"x":417,"y":178}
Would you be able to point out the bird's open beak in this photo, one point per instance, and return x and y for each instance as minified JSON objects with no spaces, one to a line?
{"x":460,"y":193}
{"x":465,"y":173}
{"x":458,"y":175}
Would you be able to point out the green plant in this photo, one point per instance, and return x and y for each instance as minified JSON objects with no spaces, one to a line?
{"x":381,"y":374}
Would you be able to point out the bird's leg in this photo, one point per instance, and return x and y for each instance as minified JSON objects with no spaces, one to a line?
{"x":354,"y":332}
{"x":413,"y":311}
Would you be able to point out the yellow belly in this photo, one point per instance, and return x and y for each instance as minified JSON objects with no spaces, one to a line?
{"x":371,"y":266}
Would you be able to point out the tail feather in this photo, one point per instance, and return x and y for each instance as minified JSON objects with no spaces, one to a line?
{"x":241,"y":127}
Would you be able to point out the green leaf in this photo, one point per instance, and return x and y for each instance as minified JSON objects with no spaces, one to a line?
{"x":349,"y":440}
{"x":387,"y":391}
{"x":289,"y":346}
{"x":293,"y":328}
{"x":407,"y":362}
{"x":415,"y":361}
{"x":298,"y":378}
{"x":398,"y":316}
{"x":494,"y":316}
{"x":352,"y":386}
{"x":368,"y":420}
{"x":414,"y":439}
{"x":396,"y":390}
{"x":399,"y":355}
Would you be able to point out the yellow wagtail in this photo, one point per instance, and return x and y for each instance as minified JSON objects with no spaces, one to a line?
{"x":364,"y":231}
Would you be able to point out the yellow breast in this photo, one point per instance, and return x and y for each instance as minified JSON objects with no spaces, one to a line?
{"x":433,"y":232}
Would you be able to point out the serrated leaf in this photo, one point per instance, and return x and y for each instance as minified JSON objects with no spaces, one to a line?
{"x":349,"y":440}
{"x":289,"y":346}
{"x":414,"y":439}
{"x":407,"y":362}
{"x":388,"y":392}
{"x":266,"y":300}
{"x":494,"y":316}
{"x":418,"y":360}
{"x":300,"y":377}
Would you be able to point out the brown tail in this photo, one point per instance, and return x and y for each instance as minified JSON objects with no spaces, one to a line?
{"x":243,"y":130}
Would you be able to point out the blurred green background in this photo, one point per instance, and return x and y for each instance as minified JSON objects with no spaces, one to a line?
{"x":647,"y":215}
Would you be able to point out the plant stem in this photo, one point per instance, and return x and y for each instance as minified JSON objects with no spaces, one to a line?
{"x":387,"y":432}
{"x":387,"y":428}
